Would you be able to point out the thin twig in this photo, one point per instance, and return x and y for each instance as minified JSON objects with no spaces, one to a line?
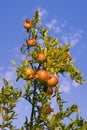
{"x":33,"y":107}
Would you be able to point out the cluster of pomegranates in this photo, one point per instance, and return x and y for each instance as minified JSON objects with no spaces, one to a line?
{"x":40,"y":75}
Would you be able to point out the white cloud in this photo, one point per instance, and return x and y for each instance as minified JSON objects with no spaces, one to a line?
{"x":72,"y":38}
{"x":75,"y":84}
{"x":26,"y":107}
{"x":1,"y":68}
{"x":65,"y":85}
{"x":65,"y":38}
{"x":52,"y":24}
{"x":57,"y":29}
{"x":56,"y":26}
{"x":42,"y":12}
{"x":9,"y":75}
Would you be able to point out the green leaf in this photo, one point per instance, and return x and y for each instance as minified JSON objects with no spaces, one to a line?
{"x":5,"y":82}
{"x":13,"y":62}
{"x":54,"y":42}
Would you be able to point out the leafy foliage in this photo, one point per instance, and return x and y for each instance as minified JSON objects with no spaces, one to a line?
{"x":8,"y":98}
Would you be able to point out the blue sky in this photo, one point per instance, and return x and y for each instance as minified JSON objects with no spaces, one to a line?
{"x":66,"y":20}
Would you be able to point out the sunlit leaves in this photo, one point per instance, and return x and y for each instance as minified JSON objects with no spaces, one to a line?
{"x":75,"y":74}
{"x":8,"y":98}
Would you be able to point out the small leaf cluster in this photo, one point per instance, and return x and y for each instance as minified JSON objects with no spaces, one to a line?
{"x":8,"y":98}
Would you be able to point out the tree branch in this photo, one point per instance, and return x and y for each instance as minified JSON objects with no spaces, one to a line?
{"x":33,"y":107}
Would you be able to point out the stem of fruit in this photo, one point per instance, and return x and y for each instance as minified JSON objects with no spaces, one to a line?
{"x":29,"y":34}
{"x":29,"y":38}
{"x":33,"y":107}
